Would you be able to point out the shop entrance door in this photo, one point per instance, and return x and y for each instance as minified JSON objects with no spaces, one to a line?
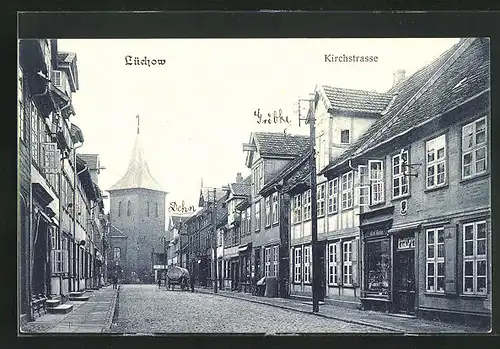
{"x":404,"y":282}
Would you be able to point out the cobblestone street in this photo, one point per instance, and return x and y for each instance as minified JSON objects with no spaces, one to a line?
{"x":147,"y":309}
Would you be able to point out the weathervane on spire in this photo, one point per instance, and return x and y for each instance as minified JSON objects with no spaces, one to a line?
{"x":137,"y":116}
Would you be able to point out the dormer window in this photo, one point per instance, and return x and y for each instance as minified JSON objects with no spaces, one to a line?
{"x":345,"y":137}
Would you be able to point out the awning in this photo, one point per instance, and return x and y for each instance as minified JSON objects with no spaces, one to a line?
{"x":243,"y":248}
{"x":402,"y":227}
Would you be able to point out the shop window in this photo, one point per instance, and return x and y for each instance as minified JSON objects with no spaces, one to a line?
{"x":307,"y":264}
{"x":297,"y":209}
{"x":376,"y":175}
{"x":320,"y":192}
{"x":435,"y":260}
{"x":347,"y":263}
{"x":307,"y":204}
{"x":400,"y":184}
{"x":333,"y":192}
{"x":267,"y":260}
{"x":378,"y":263}
{"x":297,"y":271}
{"x":333,"y":263}
{"x":267,"y":207}
{"x":363,"y":186}
{"x":474,"y":150}
{"x":435,"y":150}
{"x":257,"y":216}
{"x":275,"y":208}
{"x":276,"y":259}
{"x":475,"y":257}
{"x":347,"y":190}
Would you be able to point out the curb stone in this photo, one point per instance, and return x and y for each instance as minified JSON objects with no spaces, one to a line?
{"x":111,"y":312}
{"x":386,"y":328}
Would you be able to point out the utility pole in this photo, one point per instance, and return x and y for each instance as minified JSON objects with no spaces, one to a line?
{"x":214,"y":258}
{"x":314,"y":207}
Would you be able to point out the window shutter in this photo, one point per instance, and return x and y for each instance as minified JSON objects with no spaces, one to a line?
{"x":450,"y":261}
{"x":354,"y":258}
{"x":338,"y":255}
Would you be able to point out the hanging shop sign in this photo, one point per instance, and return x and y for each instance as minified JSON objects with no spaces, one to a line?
{"x":406,"y":243}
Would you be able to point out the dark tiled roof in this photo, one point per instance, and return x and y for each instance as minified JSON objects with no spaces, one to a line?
{"x":357,"y":100}
{"x":90,"y":160}
{"x":280,"y":144}
{"x":240,"y":189}
{"x":114,"y":232}
{"x":301,"y":174}
{"x":401,"y":115}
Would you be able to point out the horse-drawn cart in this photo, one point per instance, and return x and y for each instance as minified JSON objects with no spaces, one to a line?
{"x":178,"y":276}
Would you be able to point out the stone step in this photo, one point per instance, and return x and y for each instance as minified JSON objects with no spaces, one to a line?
{"x":76,"y":293}
{"x":78,"y":298}
{"x":61,"y":309}
{"x":51,"y":303}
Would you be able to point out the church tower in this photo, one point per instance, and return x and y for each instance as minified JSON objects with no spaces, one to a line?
{"x":137,"y":210}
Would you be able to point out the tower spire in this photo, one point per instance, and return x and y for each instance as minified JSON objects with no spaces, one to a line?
{"x":138,"y":117}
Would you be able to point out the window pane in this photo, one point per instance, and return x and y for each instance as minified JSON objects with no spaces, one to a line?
{"x":467,"y":159}
{"x":430,"y":237}
{"x":469,"y":248}
{"x":441,"y":236}
{"x":440,"y":283}
{"x":430,"y":155}
{"x":440,"y":153}
{"x":469,"y":282}
{"x":481,"y":268}
{"x":467,"y":137}
{"x":469,"y":268}
{"x":469,"y":235}
{"x":480,"y":166}
{"x":430,"y":269}
{"x":481,"y":247}
{"x":440,"y":250}
{"x":430,"y":283}
{"x":481,"y":284}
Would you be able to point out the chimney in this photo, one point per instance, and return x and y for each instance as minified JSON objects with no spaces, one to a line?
{"x":398,"y":76}
{"x":239,"y":178}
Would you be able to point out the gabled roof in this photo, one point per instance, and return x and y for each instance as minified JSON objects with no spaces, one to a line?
{"x":114,"y":232}
{"x":426,"y":94}
{"x":343,"y":99}
{"x":280,"y":144}
{"x":207,"y":195}
{"x":243,"y":188}
{"x":137,"y":175}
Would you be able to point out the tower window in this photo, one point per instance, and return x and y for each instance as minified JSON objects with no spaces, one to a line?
{"x":119,"y":209}
{"x":344,"y":137}
{"x":129,"y":208}
{"x":147,"y":209}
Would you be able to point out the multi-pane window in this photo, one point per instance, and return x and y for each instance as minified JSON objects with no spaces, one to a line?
{"x":257,"y":216}
{"x":435,"y":260}
{"x":276,"y":259}
{"x":400,"y":185}
{"x":376,"y":175}
{"x":347,"y":262}
{"x":129,"y":208}
{"x":333,"y":192}
{"x":435,"y":151}
{"x":344,"y":137}
{"x":297,"y":209}
{"x":244,"y":221}
{"x":307,"y":204}
{"x":275,"y":208}
{"x":347,"y":190}
{"x":307,"y":264}
{"x":364,"y":186}
{"x":333,"y":272}
{"x":474,"y":148}
{"x":267,"y":261}
{"x":474,"y":267}
{"x":268,"y":210}
{"x":116,"y":253}
{"x":297,"y":271}
{"x":20,"y":103}
{"x":258,"y":178}
{"x":321,"y":199}
{"x":249,"y":217}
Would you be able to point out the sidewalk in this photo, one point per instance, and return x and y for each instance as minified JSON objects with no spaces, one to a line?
{"x":392,"y":323}
{"x":92,"y":316}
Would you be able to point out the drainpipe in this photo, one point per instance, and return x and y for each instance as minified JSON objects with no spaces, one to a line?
{"x":75,"y":189}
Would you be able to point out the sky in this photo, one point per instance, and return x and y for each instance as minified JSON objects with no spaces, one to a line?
{"x":197,"y":110}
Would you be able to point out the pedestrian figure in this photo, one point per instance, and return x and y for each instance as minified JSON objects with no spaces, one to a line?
{"x":159,"y":281}
{"x":115,"y":281}
{"x":191,"y":281}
